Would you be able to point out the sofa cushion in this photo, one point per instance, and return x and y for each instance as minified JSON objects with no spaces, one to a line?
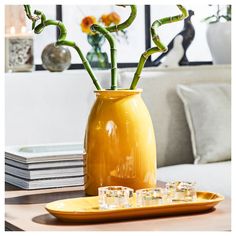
{"x":207,"y":109}
{"x":212,"y":177}
{"x":166,"y":109}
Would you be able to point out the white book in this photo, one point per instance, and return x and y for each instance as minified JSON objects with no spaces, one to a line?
{"x":45,"y":153}
{"x":43,"y":165}
{"x":43,"y":174}
{"x":44,"y":183}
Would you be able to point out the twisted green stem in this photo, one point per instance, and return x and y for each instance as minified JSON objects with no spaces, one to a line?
{"x":83,"y":59}
{"x":39,"y":28}
{"x":141,"y":64}
{"x":160,"y":47}
{"x":106,"y":32}
{"x":30,"y":16}
{"x":61,"y":39}
{"x":112,"y":42}
{"x":126,"y":23}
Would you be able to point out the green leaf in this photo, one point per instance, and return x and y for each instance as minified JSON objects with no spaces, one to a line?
{"x":209,"y":18}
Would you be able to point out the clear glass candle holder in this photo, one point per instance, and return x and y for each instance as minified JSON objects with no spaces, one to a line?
{"x":181,"y":191}
{"x":111,"y":197}
{"x":150,"y":197}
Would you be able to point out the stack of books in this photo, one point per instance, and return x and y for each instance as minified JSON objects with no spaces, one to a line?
{"x":45,"y":166}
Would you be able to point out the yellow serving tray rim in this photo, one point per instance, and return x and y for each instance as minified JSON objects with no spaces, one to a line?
{"x":218,"y":198}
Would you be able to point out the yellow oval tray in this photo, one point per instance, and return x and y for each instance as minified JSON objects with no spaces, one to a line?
{"x":86,"y":209}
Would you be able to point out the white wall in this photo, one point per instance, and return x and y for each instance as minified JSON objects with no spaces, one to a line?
{"x":43,"y":107}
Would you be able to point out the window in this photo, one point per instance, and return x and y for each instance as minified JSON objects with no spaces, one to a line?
{"x":138,"y":34}
{"x":128,"y":50}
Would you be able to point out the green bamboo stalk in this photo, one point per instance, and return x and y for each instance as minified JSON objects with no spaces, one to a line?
{"x":44,"y":23}
{"x":97,"y":28}
{"x":112,"y":42}
{"x":83,"y":59}
{"x":160,"y":47}
{"x":61,"y":39}
{"x":126,"y":23}
{"x":30,"y":16}
{"x":141,"y":64}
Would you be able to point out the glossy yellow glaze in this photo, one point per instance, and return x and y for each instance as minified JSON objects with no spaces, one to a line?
{"x":86,"y":209}
{"x":119,"y":142}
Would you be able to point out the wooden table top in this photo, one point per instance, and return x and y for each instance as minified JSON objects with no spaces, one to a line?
{"x":25,"y":212}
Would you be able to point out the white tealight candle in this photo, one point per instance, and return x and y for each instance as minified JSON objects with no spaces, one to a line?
{"x":23,"y":29}
{"x":12,"y":30}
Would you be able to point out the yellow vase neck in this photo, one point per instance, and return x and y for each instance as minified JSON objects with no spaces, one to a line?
{"x":111,"y":94}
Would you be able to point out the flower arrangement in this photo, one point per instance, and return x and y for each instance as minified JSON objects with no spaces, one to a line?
{"x":106,"y":19}
{"x":107,"y":31}
{"x":95,"y":56}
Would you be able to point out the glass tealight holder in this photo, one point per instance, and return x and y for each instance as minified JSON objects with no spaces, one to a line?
{"x":181,"y":191}
{"x":150,"y":197}
{"x":112,"y":197}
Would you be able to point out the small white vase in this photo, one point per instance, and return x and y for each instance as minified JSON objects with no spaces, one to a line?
{"x":219,"y":41}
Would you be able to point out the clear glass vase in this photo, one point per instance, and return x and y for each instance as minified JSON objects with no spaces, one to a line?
{"x":95,"y":56}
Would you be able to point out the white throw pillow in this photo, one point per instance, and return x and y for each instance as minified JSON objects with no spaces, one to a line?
{"x":208,"y":112}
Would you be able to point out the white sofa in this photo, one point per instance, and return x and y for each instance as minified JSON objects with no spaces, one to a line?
{"x":45,"y":107}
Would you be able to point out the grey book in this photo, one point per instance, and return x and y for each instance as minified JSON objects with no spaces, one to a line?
{"x":44,"y":173}
{"x":43,"y":165}
{"x":45,"y":183}
{"x":45,"y":153}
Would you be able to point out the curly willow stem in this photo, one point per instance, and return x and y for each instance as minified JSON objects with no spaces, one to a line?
{"x":160,"y":47}
{"x":61,"y":39}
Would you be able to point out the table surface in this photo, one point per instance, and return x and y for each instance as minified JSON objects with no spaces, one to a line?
{"x":25,"y":212}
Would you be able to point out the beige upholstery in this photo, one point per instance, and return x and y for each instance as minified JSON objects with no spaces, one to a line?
{"x":212,"y":177}
{"x":166,"y":109}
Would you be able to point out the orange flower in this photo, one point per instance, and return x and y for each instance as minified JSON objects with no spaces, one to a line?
{"x":86,"y":23}
{"x":114,"y":18}
{"x":108,"y":19}
{"x":105,"y":19}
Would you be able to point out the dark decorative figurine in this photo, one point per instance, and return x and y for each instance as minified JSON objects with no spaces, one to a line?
{"x":188,"y":34}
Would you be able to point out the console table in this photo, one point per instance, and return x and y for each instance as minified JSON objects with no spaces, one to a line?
{"x":25,"y":212}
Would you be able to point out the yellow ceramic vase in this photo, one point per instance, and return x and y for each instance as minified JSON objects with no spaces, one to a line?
{"x":120,"y":143}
